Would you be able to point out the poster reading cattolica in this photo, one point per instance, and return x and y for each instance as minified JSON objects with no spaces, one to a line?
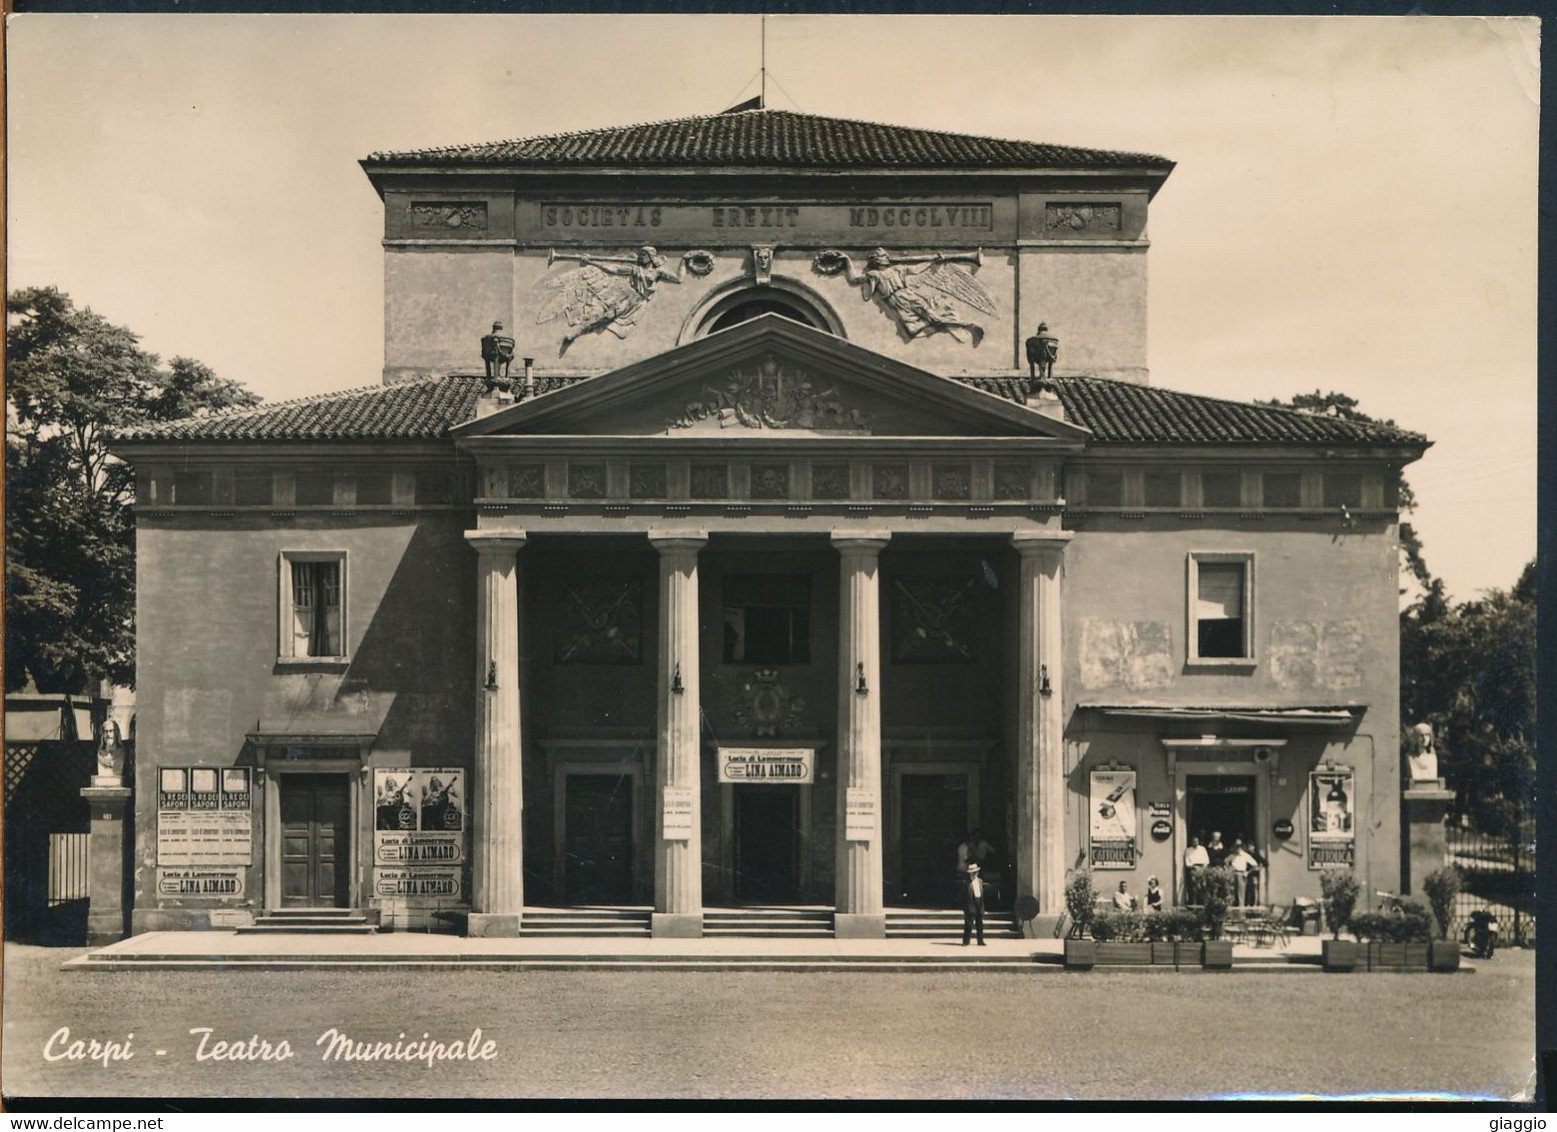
{"x":418,"y":833}
{"x":1112,"y":822}
{"x":1332,"y":826}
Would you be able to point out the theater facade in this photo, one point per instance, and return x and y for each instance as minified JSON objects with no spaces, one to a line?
{"x":751,"y":562}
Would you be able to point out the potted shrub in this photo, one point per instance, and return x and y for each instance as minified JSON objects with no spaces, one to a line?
{"x":1338,"y":888}
{"x":1442,"y":886}
{"x":1121,"y":939}
{"x":1217,"y":886}
{"x":1080,"y":900}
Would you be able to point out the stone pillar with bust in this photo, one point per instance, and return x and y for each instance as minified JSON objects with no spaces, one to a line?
{"x":107,"y":800}
{"x":1040,"y":735}
{"x":678,"y":844}
{"x":858,"y":912}
{"x":1425,"y":802}
{"x":497,"y":797}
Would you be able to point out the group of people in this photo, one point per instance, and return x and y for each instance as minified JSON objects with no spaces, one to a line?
{"x":1125,"y":902}
{"x":1212,"y":852}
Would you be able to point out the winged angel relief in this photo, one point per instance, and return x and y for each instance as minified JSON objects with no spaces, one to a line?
{"x":925,"y":293}
{"x":607,"y":292}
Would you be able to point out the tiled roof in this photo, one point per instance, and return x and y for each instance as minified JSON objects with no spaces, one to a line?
{"x":420,"y":409}
{"x":765,"y":138}
{"x":1121,"y":412}
{"x":1116,"y":412}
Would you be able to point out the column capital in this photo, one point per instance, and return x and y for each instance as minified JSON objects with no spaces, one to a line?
{"x":497,"y":540}
{"x":668,"y":540}
{"x":846,"y":539}
{"x":1030,"y":545}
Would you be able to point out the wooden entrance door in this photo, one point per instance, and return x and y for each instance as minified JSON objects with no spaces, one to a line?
{"x":933,"y":813}
{"x":315,"y":840}
{"x":598,"y":839}
{"x":767,"y":844}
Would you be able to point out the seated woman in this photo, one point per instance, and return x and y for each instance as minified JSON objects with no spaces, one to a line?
{"x":1153,"y":895}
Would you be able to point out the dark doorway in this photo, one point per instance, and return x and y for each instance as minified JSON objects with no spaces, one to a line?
{"x":315,"y":841}
{"x":767,"y":842}
{"x":933,"y":820}
{"x":1218,"y":802}
{"x":47,"y":838}
{"x":598,"y":839}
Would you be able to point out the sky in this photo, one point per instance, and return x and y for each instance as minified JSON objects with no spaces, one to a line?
{"x":1354,"y":207}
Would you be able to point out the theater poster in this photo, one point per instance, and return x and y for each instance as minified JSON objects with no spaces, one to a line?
{"x":1112,"y":822}
{"x":419,"y":831}
{"x":1332,"y":824}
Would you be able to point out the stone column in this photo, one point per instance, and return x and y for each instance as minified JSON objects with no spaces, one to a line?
{"x":678,"y":842}
{"x":1040,"y":733}
{"x":857,"y":889}
{"x":105,"y":859}
{"x":1426,"y":844}
{"x":497,"y":796}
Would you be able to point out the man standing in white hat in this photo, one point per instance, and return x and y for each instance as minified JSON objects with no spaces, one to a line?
{"x":973,"y":906}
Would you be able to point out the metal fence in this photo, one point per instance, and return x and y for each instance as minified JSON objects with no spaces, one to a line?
{"x":1497,"y":874}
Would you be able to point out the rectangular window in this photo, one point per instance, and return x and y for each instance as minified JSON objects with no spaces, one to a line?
{"x":767,"y":619}
{"x":313,"y":588}
{"x":1220,"y":489}
{"x":1220,"y":599}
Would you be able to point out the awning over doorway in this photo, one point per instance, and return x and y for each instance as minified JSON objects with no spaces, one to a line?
{"x":1340,"y":715}
{"x":312,"y":731}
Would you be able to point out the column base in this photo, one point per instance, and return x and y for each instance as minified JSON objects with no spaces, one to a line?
{"x":676,"y":925}
{"x":1045,"y":925}
{"x":104,"y":927}
{"x":856,"y":925}
{"x":492,"y":925}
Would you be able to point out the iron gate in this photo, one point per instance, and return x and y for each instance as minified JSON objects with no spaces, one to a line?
{"x":1497,"y":874}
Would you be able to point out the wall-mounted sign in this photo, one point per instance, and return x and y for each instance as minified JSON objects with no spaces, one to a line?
{"x":1332,"y":823}
{"x":1163,"y":810}
{"x":1282,"y":829}
{"x":1162,"y":829}
{"x":1111,"y":822}
{"x":418,"y":832}
{"x":677,"y":823}
{"x":859,"y":813}
{"x":789,"y":765}
{"x":200,"y":882}
{"x":202,"y":822}
{"x":426,"y":884}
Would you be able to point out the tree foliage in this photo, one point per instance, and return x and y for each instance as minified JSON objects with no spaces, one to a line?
{"x":72,"y":379}
{"x":1468,"y":669}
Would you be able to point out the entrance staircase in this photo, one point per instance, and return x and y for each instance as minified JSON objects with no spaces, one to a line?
{"x":946,"y":923}
{"x":312,"y":921}
{"x":596,"y":922}
{"x":769,"y":922}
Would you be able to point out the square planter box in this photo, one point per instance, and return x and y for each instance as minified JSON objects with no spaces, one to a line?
{"x":1080,"y":954}
{"x":1338,"y":954}
{"x":1111,"y":953}
{"x":1164,"y":954}
{"x":1388,"y":955}
{"x":1218,"y":955}
{"x":1443,"y":955}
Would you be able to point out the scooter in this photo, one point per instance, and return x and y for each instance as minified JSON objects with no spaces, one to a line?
{"x":1481,"y":934}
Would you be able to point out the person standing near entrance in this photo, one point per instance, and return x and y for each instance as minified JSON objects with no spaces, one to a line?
{"x":1196,"y":861}
{"x":1244,"y":868}
{"x":973,"y":906}
{"x":1216,"y":850}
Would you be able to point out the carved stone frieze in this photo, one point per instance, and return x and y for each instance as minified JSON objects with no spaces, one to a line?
{"x":527,"y":481}
{"x":890,"y":481}
{"x":447,"y":214}
{"x":923,"y":293}
{"x":770,"y":481}
{"x":952,"y":481}
{"x":710,"y":481}
{"x":608,"y":292}
{"x":1083,"y":217}
{"x":771,"y":395}
{"x":1013,"y":481}
{"x":586,"y":481}
{"x":647,"y":481}
{"x":600,"y":621}
{"x":762,"y":262}
{"x":829,"y":481}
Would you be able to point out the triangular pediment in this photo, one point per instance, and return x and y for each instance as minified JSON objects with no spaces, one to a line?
{"x":772,"y":376}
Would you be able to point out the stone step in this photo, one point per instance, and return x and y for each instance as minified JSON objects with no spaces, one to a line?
{"x":264,"y":927}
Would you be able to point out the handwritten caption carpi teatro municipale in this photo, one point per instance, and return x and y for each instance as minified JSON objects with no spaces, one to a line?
{"x":332,"y":1045}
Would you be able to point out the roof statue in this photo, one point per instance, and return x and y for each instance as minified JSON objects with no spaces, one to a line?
{"x":1043,"y":349}
{"x":607,"y":292}
{"x":925,"y":293}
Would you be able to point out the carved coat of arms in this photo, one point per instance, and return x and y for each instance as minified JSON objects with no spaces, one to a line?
{"x":771,"y":396}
